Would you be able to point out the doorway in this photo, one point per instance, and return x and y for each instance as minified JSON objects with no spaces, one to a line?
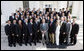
{"x":48,"y":6}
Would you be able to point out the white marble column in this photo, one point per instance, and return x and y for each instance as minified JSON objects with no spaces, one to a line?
{"x":80,"y":10}
{"x":75,"y":8}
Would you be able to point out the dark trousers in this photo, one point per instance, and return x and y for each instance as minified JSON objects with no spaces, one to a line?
{"x":39,"y":35}
{"x":25,"y":39}
{"x":19,"y":40}
{"x":62,"y":38}
{"x":11,"y":40}
{"x":34,"y":37}
{"x":73,"y":39}
{"x":30,"y":39}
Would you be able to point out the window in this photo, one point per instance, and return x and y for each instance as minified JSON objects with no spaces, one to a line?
{"x":25,"y":4}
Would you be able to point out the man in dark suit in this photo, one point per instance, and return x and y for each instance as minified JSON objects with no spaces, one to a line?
{"x":62,"y":31}
{"x":25,"y":32}
{"x":35,"y":31}
{"x":30,"y":28}
{"x":20,"y":32}
{"x":8,"y":31}
{"x":14,"y":31}
{"x":5,"y":28}
{"x":74,"y":32}
{"x":52,"y":31}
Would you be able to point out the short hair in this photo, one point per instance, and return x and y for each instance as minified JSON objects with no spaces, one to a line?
{"x":6,"y":21}
{"x":63,"y":8}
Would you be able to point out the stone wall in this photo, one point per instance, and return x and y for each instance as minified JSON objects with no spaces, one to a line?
{"x":7,"y":7}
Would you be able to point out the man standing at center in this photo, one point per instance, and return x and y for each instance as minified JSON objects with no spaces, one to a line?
{"x":44,"y":30}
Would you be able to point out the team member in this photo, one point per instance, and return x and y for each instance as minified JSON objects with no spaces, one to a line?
{"x":57,"y":32}
{"x":74,"y":32}
{"x":44,"y":30}
{"x":52,"y":31}
{"x":8,"y":30}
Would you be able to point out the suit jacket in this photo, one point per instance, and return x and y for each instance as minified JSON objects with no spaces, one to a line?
{"x":19,"y":30}
{"x":25,"y":29}
{"x":75,"y":29}
{"x":63,"y":28}
{"x":52,"y":28}
{"x":59,"y":14}
{"x":16,"y":20}
{"x":8,"y":30}
{"x":30,"y":28}
{"x":36,"y":26}
{"x":44,"y":27}
{"x":68,"y":28}
{"x":14,"y":29}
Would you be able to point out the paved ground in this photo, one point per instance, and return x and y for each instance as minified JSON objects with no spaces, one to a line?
{"x":39,"y":46}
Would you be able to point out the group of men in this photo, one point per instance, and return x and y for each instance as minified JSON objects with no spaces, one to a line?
{"x":27,"y":27}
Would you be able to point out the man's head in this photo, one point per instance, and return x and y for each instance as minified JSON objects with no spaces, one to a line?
{"x":43,"y":20}
{"x":16,"y":16}
{"x":74,"y":20}
{"x":54,"y":17}
{"x":49,"y":9}
{"x":54,"y":9}
{"x":48,"y":17}
{"x":9,"y":22}
{"x":38,"y":16}
{"x":19,"y":21}
{"x":14,"y":21}
{"x":58,"y":22}
{"x":56,"y":14}
{"x":62,"y":19}
{"x":67,"y":9}
{"x":60,"y":10}
{"x":26,"y":20}
{"x":51,"y":19}
{"x":45,"y":15}
{"x":68,"y":20}
{"x":35,"y":19}
{"x":31,"y":20}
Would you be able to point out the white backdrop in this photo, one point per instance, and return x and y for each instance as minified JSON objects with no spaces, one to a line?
{"x":7,"y":7}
